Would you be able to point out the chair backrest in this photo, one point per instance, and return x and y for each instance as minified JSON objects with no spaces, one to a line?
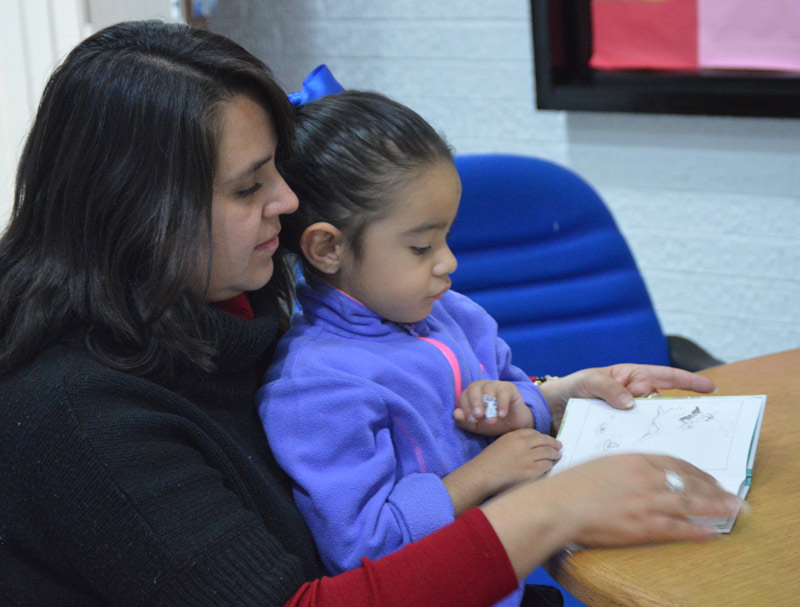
{"x":539,"y":250}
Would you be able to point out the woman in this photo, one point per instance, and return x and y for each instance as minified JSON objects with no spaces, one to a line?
{"x":141,"y":294}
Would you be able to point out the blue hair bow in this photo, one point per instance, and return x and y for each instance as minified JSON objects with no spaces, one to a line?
{"x":318,"y":83}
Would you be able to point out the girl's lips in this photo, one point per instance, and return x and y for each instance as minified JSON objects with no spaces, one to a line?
{"x":269,"y":245}
{"x":441,"y":294}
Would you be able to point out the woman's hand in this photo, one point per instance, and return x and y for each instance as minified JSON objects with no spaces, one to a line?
{"x":611,"y":501}
{"x":618,"y":385}
{"x":624,"y":499}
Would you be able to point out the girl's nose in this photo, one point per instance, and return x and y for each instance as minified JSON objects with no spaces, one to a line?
{"x":446,"y":264}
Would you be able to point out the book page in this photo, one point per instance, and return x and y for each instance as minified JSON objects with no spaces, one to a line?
{"x":713,"y":433}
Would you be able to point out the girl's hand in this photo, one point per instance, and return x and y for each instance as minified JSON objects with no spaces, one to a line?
{"x":618,"y":385}
{"x":511,"y":411}
{"x":520,"y":455}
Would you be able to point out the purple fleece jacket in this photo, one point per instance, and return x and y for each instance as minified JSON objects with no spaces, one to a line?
{"x":358,"y":411}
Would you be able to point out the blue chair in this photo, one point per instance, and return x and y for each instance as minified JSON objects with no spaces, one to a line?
{"x":539,"y":250}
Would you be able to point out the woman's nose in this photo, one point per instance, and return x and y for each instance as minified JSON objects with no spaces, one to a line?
{"x":284,"y":202}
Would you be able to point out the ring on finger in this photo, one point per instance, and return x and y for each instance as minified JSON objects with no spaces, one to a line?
{"x":674,"y":482}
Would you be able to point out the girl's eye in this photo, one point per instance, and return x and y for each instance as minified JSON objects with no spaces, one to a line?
{"x":420,"y":250}
{"x":249,"y":191}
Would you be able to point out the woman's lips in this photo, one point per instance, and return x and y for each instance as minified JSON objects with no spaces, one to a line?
{"x":269,"y":245}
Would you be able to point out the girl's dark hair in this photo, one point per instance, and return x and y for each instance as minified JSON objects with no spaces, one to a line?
{"x":111,"y":221}
{"x":352,"y":151}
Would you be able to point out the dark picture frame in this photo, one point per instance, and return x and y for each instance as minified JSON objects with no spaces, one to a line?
{"x":562,"y":42}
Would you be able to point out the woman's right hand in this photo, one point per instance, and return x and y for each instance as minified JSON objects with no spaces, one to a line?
{"x":622,"y":500}
{"x":611,"y":501}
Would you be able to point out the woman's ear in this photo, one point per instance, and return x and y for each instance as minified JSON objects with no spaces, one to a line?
{"x":322,"y":245}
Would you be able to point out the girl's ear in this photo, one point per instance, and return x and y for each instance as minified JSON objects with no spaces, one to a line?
{"x":322,"y":245}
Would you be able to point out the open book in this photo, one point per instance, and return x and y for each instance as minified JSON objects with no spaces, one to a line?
{"x":718,"y":434}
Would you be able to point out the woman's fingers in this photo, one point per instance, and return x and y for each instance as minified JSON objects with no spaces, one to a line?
{"x":696,"y":504}
{"x":626,"y":499}
{"x":605,"y":385}
{"x":678,"y":379}
{"x":700,"y":497}
{"x":642,"y":380}
{"x":619,"y":384}
{"x":666,"y":528}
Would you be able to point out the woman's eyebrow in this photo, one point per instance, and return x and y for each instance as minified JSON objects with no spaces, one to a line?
{"x":249,"y":171}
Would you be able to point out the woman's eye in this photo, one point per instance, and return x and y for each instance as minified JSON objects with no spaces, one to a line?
{"x":249,"y":191}
{"x":420,"y":250}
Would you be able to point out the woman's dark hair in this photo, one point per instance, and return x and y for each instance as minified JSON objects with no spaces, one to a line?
{"x":112,"y":208}
{"x":352,"y":150}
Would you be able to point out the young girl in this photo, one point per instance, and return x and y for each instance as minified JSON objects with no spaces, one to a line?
{"x":382,"y":395}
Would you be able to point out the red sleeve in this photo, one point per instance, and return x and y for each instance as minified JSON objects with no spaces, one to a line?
{"x":461,"y":564}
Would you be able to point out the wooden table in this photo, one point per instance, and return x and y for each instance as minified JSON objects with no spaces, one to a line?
{"x":758,"y":563}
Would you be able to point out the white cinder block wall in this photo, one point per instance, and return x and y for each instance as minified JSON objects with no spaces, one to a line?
{"x":709,"y":205}
{"x":35,"y":35}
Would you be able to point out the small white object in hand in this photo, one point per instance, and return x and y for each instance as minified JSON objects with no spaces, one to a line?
{"x":490,"y":403}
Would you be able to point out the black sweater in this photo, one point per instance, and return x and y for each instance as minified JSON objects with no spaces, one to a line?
{"x":83,"y":447}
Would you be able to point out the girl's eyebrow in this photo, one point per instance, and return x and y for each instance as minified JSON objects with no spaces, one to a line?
{"x":249,"y":171}
{"x":426,"y":227}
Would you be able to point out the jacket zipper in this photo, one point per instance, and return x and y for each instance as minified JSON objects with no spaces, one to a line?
{"x":448,"y":354}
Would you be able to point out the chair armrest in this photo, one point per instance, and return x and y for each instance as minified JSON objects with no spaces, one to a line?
{"x":686,"y":354}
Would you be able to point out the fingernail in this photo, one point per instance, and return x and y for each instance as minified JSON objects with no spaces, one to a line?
{"x":628,"y":401}
{"x":471,"y":419}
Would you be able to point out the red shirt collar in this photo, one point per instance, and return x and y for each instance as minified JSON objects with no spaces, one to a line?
{"x":238,"y":307}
